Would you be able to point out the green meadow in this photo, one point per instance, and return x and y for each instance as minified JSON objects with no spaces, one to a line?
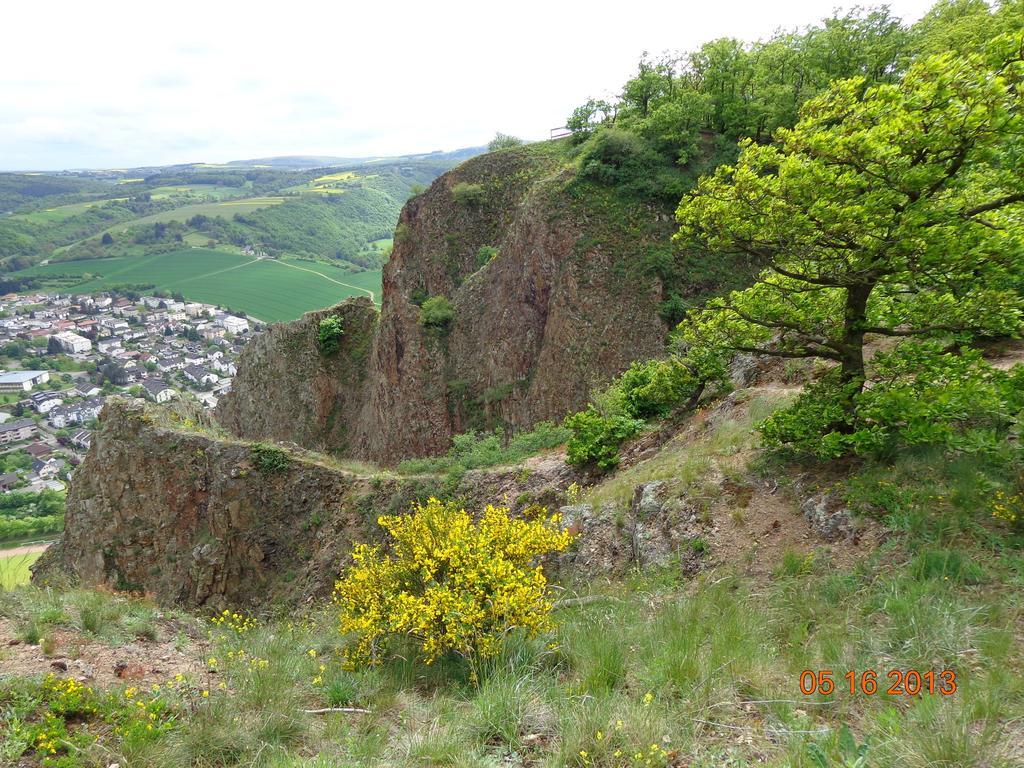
{"x":268,"y":289}
{"x":225,"y":208}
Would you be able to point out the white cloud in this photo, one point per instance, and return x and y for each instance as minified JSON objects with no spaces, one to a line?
{"x":114,"y":84}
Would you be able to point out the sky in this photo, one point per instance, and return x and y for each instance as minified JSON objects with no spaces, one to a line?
{"x":113,"y":84}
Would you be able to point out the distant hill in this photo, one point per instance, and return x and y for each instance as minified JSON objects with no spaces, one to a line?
{"x":342,"y":210}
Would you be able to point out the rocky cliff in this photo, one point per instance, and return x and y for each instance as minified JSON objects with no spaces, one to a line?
{"x":166,"y":503}
{"x":546,"y":301}
{"x":287,"y":389}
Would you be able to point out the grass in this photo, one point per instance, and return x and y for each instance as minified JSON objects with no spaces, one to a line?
{"x":701,"y":674}
{"x":225,"y":208}
{"x":14,"y":569}
{"x":658,"y":669}
{"x":268,"y":289}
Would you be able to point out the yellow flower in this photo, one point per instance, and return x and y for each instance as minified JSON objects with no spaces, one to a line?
{"x":205,"y":694}
{"x":648,"y":698}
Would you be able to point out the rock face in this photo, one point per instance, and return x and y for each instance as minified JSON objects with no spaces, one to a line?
{"x":192,"y":518}
{"x":547,"y":303}
{"x":165,"y":503}
{"x":286,"y":389}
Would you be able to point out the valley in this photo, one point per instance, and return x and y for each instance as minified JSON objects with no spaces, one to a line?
{"x":269,"y":290}
{"x":687,"y":434}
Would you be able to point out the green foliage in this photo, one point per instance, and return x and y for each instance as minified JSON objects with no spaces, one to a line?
{"x":25,"y":514}
{"x":889,"y":211}
{"x":329,"y":334}
{"x":650,"y":389}
{"x":476,"y":450}
{"x":503,"y":141}
{"x":596,"y":438}
{"x":485,"y":254}
{"x":437,"y":313}
{"x":923,"y":395}
{"x":616,"y":158}
{"x":269,"y":459}
{"x":467,"y":194}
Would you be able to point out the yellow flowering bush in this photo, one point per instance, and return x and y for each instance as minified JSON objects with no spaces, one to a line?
{"x":450,"y":582}
{"x":1008,"y":507}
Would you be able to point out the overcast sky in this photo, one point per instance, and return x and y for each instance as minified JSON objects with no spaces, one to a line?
{"x":112,"y":84}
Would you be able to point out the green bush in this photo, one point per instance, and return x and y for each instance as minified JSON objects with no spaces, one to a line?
{"x":484,"y":255}
{"x":503,"y":141}
{"x":329,"y":335}
{"x":437,"y":313}
{"x":596,"y":438}
{"x":468,"y":194}
{"x":654,"y":388}
{"x":476,"y":450}
{"x":616,"y":158}
{"x":922,"y":396}
{"x":269,"y":459}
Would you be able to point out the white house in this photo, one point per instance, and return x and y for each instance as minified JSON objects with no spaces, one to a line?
{"x":234,"y":325}
{"x":72,"y":343}
{"x":157,"y":390}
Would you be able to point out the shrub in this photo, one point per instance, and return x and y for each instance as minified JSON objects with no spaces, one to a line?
{"x":655,"y":387}
{"x":922,"y":395}
{"x":329,"y":335}
{"x":596,"y":438}
{"x":468,"y":194}
{"x":503,"y":141}
{"x":615,"y":158}
{"x":484,"y":255}
{"x":451,"y":583}
{"x":268,"y":459}
{"x":475,"y":450}
{"x":437,"y":313}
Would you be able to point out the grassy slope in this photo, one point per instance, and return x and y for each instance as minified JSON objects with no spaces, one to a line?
{"x":681,"y":671}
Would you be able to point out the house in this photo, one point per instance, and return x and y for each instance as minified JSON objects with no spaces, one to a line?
{"x":15,"y":431}
{"x":72,"y":343}
{"x":22,"y":381}
{"x":157,"y":390}
{"x":85,"y":389}
{"x":77,"y":413}
{"x":200,"y":376}
{"x":209,"y":331}
{"x":8,"y":481}
{"x":234,"y":325}
{"x":169,"y":364}
{"x":44,"y":402}
{"x":223,"y":366}
{"x":46,"y":470}
{"x":38,"y":450}
{"x":82,"y":439}
{"x":195,"y":310}
{"x":151,"y":301}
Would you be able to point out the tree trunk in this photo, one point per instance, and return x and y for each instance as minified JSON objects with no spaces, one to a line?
{"x":851,"y":370}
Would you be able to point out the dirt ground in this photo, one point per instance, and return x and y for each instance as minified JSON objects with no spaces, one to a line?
{"x":29,"y":549}
{"x":91,"y":661}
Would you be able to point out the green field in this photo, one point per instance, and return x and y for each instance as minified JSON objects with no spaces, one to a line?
{"x":227,"y":209}
{"x":14,"y":569}
{"x":267,"y":289}
{"x":215,"y":191}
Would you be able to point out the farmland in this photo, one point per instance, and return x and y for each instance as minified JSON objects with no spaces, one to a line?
{"x":225,"y":208}
{"x":268,"y":289}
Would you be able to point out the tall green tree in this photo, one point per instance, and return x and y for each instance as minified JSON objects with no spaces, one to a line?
{"x":895,"y":210}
